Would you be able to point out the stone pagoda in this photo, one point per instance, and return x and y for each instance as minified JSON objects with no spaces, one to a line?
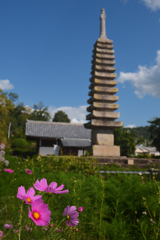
{"x":102,"y":99}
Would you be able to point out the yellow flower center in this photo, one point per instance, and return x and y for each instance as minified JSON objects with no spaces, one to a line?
{"x":67,"y":217}
{"x":36,"y":215}
{"x":28,"y":200}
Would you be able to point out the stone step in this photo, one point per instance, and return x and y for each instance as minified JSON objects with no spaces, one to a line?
{"x":103,"y":123}
{"x":103,"y":90}
{"x":103,"y":62}
{"x":107,"y":106}
{"x":97,"y":81}
{"x":104,"y":74}
{"x":103,"y":68}
{"x":104,"y":40}
{"x":103,"y":50}
{"x":103,"y":45}
{"x":101,"y":114}
{"x":103,"y":98}
{"x":103,"y":56}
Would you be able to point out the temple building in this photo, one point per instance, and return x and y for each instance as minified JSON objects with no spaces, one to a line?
{"x":58,"y":137}
{"x":102,"y":96}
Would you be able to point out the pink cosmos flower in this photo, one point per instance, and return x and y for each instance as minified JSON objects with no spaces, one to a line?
{"x":145,"y":213}
{"x":28,"y":171}
{"x":8,"y":170}
{"x":8,"y":226}
{"x":40,"y":214}
{"x":80,"y":209}
{"x":71,"y":215}
{"x":42,"y":186}
{"x":1,"y":233}
{"x":28,"y":197}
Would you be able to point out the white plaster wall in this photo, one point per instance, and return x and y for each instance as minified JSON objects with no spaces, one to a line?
{"x":46,"y":150}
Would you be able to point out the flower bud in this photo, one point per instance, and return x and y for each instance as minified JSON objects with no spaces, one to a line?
{"x":80,"y":209}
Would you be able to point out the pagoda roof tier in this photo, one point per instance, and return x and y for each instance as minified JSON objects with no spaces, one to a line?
{"x":103,"y":90}
{"x":102,"y":50}
{"x":104,"y":68}
{"x":102,"y":114}
{"x":97,"y":81}
{"x":103,"y":61}
{"x":104,"y":75}
{"x":102,"y":106}
{"x":103,"y":56}
{"x":103,"y":45}
{"x":103,"y":123}
{"x":102,"y":98}
{"x":104,"y":40}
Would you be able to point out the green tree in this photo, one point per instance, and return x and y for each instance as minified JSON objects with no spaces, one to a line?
{"x":154,"y":129}
{"x":40,"y":113}
{"x":18,"y":121}
{"x":126,"y":141}
{"x":60,"y":116}
{"x":6,"y":107}
{"x":13,"y":96}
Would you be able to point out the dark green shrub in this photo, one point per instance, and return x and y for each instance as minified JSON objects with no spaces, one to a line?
{"x":20,"y":143}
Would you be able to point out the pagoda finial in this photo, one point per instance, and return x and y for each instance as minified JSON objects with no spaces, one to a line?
{"x":103,"y":24}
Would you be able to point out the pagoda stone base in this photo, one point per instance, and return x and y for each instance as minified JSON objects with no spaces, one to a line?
{"x":102,"y":150}
{"x":102,"y":136}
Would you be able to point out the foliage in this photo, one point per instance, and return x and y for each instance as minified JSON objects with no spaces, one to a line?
{"x":40,"y":113}
{"x":126,"y":141}
{"x":18,"y":121}
{"x":144,"y":156}
{"x":154,"y":129}
{"x":60,"y":116}
{"x":20,"y":143}
{"x":139,"y":132}
{"x":6,"y":107}
{"x":13,"y":96}
{"x":23,"y":148}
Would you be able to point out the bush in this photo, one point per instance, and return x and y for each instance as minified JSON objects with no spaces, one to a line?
{"x":20,"y":143}
{"x":21,"y":147}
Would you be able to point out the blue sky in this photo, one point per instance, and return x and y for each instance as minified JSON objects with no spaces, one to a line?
{"x":46,"y":52}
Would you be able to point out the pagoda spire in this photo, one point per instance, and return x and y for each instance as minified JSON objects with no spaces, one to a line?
{"x":103,"y":24}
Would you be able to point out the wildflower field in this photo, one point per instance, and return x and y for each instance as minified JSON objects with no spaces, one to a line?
{"x":67,"y":198}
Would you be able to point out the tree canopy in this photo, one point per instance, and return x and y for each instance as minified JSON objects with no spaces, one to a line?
{"x":126,"y":141}
{"x":60,"y":116}
{"x":154,"y":129}
{"x":6,"y":107}
{"x":40,"y":113}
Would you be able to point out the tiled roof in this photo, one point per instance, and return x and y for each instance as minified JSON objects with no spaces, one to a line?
{"x":146,"y":149}
{"x":72,"y":142}
{"x":56,"y":130}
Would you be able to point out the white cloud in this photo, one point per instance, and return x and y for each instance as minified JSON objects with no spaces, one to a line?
{"x":130,"y":126}
{"x":145,"y":80}
{"x":152,"y":4}
{"x":74,"y":120}
{"x":6,"y":85}
{"x":76,"y":114}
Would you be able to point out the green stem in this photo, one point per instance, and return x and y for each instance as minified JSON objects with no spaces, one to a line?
{"x":142,"y":232}
{"x":47,"y":198}
{"x":101,"y":204}
{"x":57,"y":226}
{"x":20,"y":220}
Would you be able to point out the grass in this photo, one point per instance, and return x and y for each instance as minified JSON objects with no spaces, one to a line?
{"x":114,"y":205}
